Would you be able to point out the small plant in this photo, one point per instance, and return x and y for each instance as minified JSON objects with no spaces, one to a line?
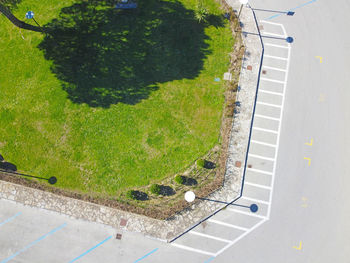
{"x":179,"y":179}
{"x":131,"y":194}
{"x":201,"y":12}
{"x":201,"y":163}
{"x":155,"y":189}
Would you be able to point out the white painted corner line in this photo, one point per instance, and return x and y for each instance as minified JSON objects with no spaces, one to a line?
{"x":210,"y":236}
{"x":258,"y":185}
{"x":193,"y":249}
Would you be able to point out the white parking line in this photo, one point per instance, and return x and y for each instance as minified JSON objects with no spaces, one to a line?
{"x":270,"y":92}
{"x":274,"y":45}
{"x":261,"y":157}
{"x":258,"y":185}
{"x":245,"y":213}
{"x":259,"y":171}
{"x":209,"y":236}
{"x":265,"y":130}
{"x":271,"y":23}
{"x":269,"y":104}
{"x":273,"y":80}
{"x":275,"y":57}
{"x":255,"y":200}
{"x":267,"y":117}
{"x":273,"y":34}
{"x":228,"y":225}
{"x":193,"y":249}
{"x":264,"y":143}
{"x":273,"y":68}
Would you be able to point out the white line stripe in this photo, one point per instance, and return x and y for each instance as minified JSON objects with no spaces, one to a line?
{"x":258,"y":185}
{"x":273,"y":80}
{"x":271,"y":23}
{"x":193,"y":249}
{"x":273,"y":34}
{"x":246,"y":213}
{"x":240,"y":237}
{"x":274,"y":45}
{"x":259,"y":171}
{"x":255,"y":200}
{"x":273,"y":68}
{"x":261,"y":157}
{"x":265,"y":130}
{"x":267,"y":117}
{"x":209,"y":236}
{"x":264,"y":143}
{"x":275,"y":57}
{"x":228,"y":225}
{"x":270,"y":92}
{"x":269,"y":104}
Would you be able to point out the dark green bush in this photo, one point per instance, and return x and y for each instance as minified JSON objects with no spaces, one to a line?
{"x":155,"y":189}
{"x":201,"y":162}
{"x":179,"y":179}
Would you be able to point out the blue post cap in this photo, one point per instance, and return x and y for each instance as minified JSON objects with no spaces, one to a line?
{"x":290,"y":13}
{"x":253,"y":208}
{"x":289,"y":39}
{"x":30,"y":14}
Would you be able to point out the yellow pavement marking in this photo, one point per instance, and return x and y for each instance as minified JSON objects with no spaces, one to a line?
{"x":304,"y":202}
{"x":298,"y":248}
{"x":322,"y":97}
{"x":310,"y":143}
{"x":309,"y":159}
{"x":319,"y":58}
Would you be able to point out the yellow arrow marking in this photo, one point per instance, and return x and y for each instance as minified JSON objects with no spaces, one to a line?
{"x":319,"y":58}
{"x":304,"y":202}
{"x":309,"y":159}
{"x":322,"y":97}
{"x":310,"y":144}
{"x":298,"y":248}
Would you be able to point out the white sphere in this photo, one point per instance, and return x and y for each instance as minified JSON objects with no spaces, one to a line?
{"x":190,"y":196}
{"x":244,"y":2}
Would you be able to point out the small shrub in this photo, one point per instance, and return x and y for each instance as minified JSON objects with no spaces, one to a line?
{"x":155,"y":189}
{"x":131,"y":194}
{"x":179,"y":179}
{"x":201,"y":12}
{"x":201,"y":163}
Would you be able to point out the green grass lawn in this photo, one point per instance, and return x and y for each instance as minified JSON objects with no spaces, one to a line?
{"x":111,"y":100}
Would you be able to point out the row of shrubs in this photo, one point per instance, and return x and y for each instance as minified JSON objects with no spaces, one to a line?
{"x":156,"y":188}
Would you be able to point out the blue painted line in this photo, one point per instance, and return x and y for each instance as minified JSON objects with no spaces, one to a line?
{"x":9,"y":219}
{"x":33,"y":243}
{"x":88,"y":251}
{"x":302,"y":5}
{"x":209,"y":260}
{"x":154,"y":250}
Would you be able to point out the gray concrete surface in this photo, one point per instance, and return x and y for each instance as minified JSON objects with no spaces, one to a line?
{"x":309,"y":203}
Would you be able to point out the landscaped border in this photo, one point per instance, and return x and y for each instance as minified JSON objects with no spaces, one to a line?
{"x":215,"y":177}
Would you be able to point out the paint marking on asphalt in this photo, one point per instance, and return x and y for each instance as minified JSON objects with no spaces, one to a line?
{"x":240,"y":237}
{"x":275,"y":57}
{"x":322,"y":97}
{"x":299,"y":247}
{"x":261,"y":157}
{"x":193,"y":249}
{"x":266,"y":130}
{"x":209,"y":260}
{"x":154,"y":250}
{"x":89,"y":250}
{"x":271,"y":92}
{"x":274,"y":35}
{"x":33,"y":243}
{"x":264,"y":143}
{"x":259,"y":171}
{"x":272,"y":80}
{"x":304,"y":202}
{"x":209,"y":236}
{"x":310,"y":143}
{"x":289,"y":10}
{"x":273,"y":68}
{"x":271,"y":23}
{"x":246,"y":213}
{"x":10,"y":219}
{"x":269,"y":104}
{"x":255,"y":200}
{"x":258,"y":185}
{"x":308,"y":159}
{"x":319,"y":58}
{"x":228,"y":225}
{"x":267,"y":117}
{"x":274,"y":45}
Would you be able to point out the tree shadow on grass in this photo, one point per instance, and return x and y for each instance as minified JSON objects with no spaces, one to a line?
{"x":189,"y":181}
{"x":166,"y":190}
{"x":8,"y":166}
{"x":105,"y":56}
{"x":141,"y":196}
